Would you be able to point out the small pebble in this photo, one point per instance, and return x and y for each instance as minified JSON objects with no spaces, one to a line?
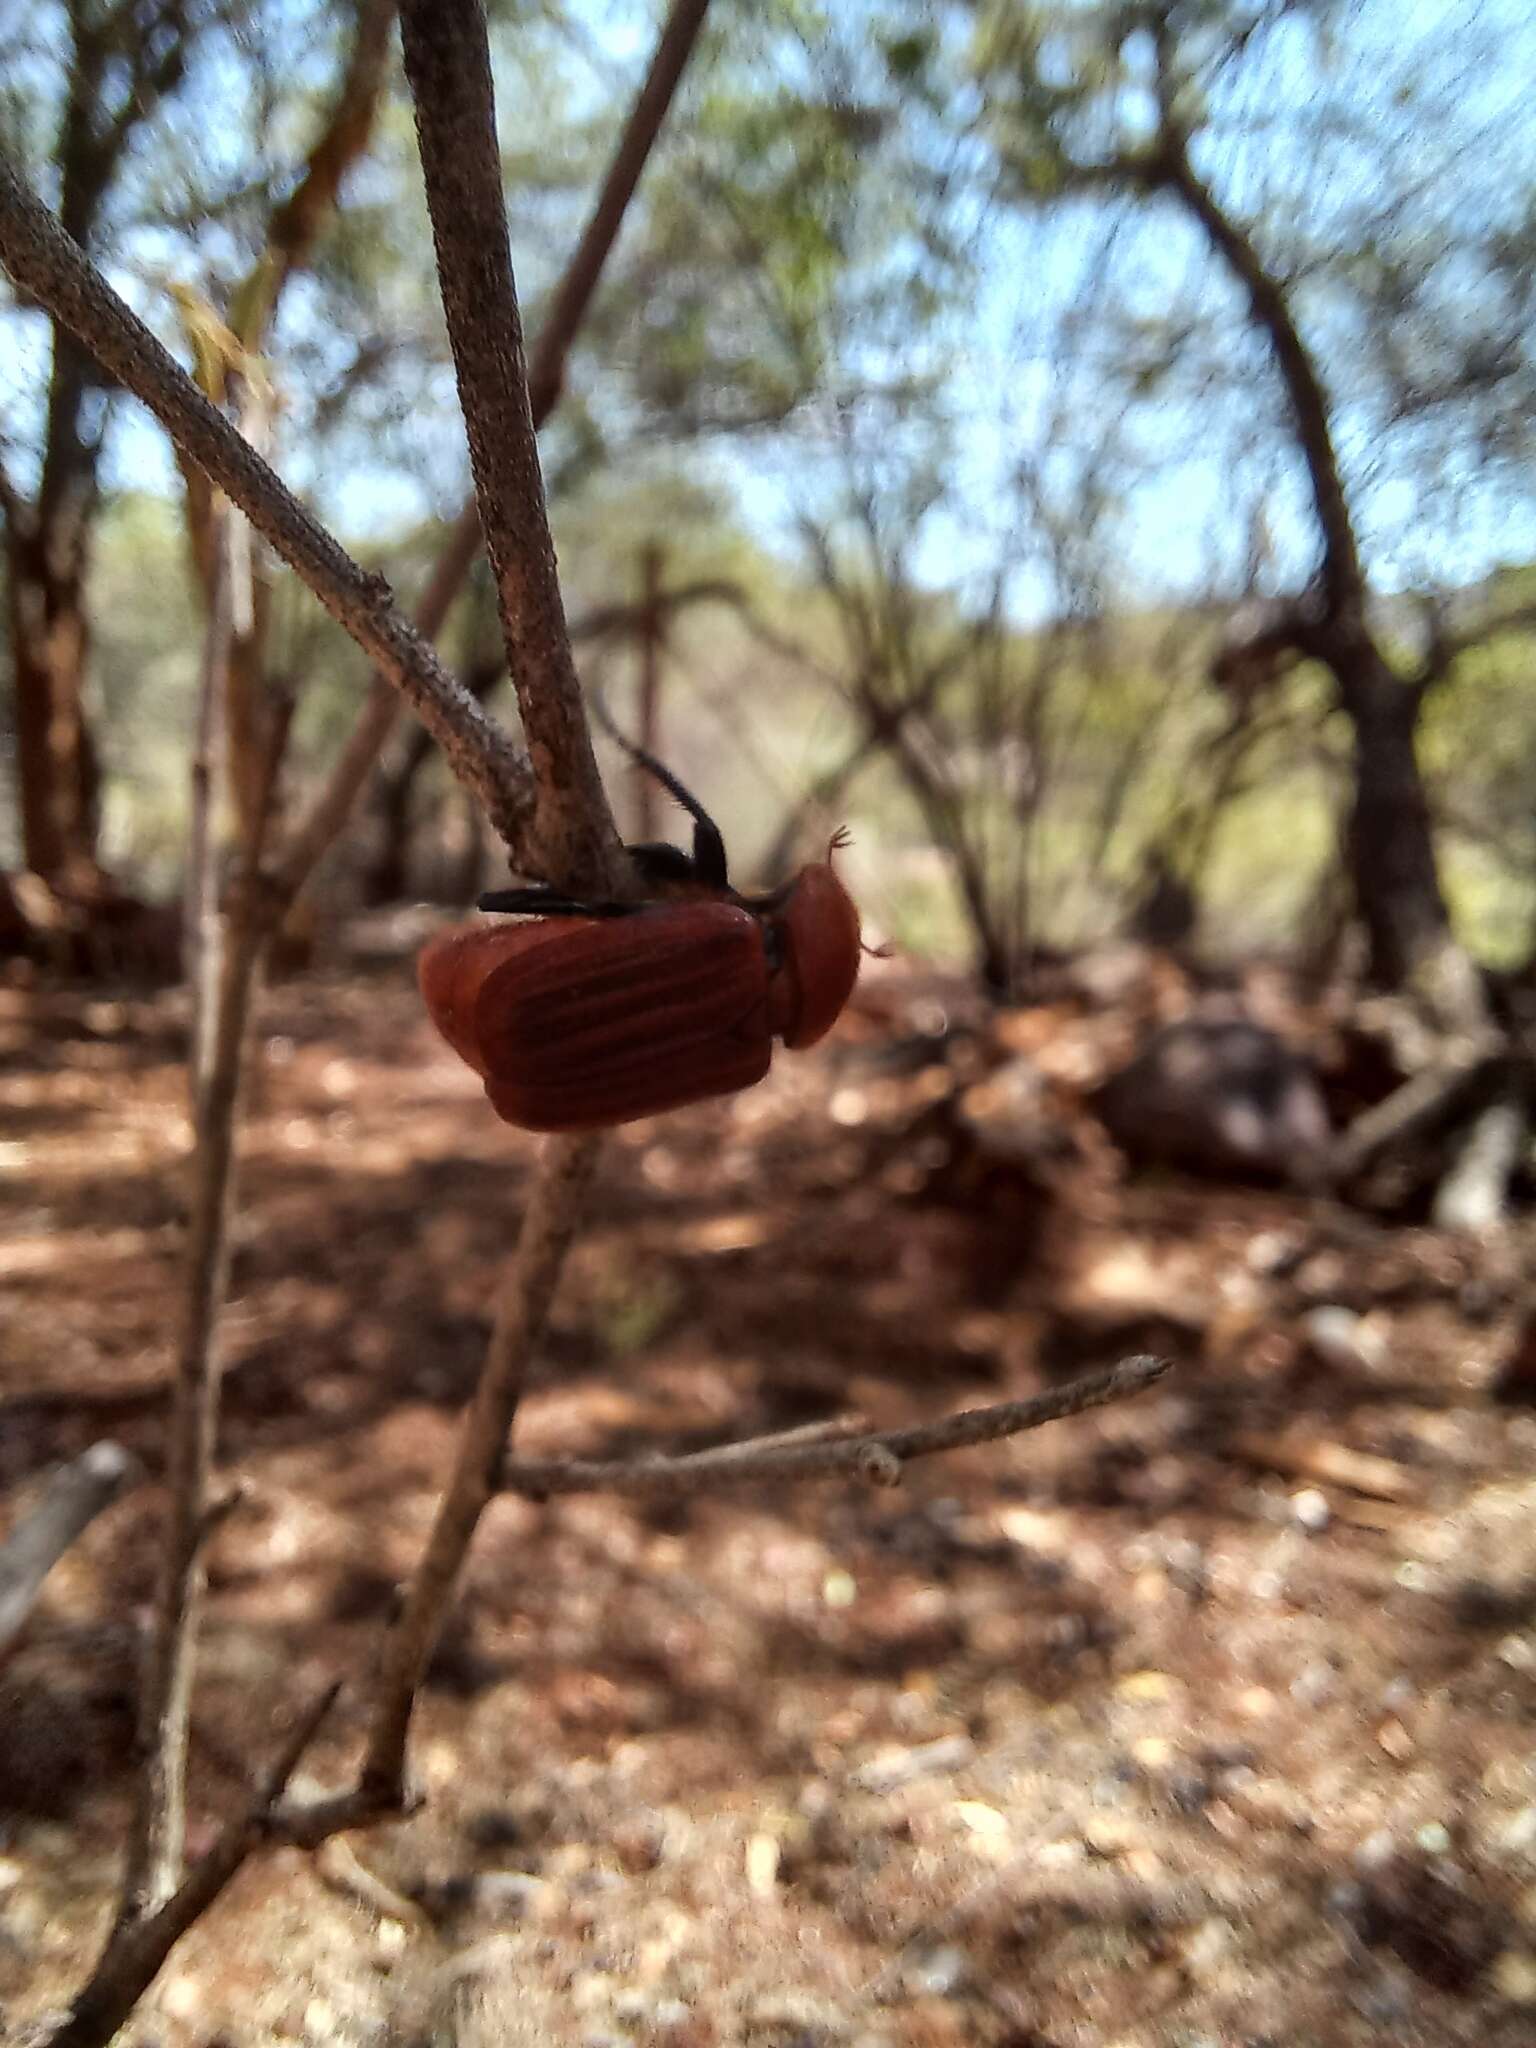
{"x":1189,"y":1792}
{"x":1394,"y":1738}
{"x":1514,"y":1976}
{"x":938,"y":1972}
{"x":1311,"y":1510}
{"x":1375,"y":1850}
{"x":1310,"y":1688}
{"x":762,"y":1862}
{"x":1337,"y":1336}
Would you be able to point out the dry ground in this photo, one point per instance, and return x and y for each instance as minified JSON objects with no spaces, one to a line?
{"x":1115,"y":1734}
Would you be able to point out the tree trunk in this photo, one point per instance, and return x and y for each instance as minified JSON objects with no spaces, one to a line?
{"x":1389,"y":843}
{"x":56,"y":761}
{"x":386,"y":878}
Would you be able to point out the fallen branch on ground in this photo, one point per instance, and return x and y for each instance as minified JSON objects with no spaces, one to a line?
{"x":76,"y":1495}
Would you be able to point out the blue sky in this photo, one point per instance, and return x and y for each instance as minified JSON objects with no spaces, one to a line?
{"x":1185,"y":514}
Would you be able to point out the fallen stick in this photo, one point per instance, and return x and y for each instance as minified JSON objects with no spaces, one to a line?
{"x":75,"y":1497}
{"x":1334,"y":1463}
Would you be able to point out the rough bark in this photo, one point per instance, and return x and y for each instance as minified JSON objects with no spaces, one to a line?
{"x":56,"y":762}
{"x":1389,"y":840}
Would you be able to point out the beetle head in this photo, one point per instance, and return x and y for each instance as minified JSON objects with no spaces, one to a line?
{"x":816,"y":924}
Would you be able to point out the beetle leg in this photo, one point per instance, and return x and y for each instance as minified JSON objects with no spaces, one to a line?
{"x":538,"y":899}
{"x":709,"y":861}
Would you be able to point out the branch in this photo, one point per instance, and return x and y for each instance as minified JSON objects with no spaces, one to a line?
{"x":1167,"y":168}
{"x":546,"y":378}
{"x":153,"y":1868}
{"x":877,"y":1456}
{"x":447,"y":62}
{"x":296,"y":224}
{"x":75,"y":1497}
{"x":569,"y":304}
{"x":44,"y":261}
{"x":1421,"y":1101}
{"x":565,"y":1170}
{"x":1447,"y":648}
{"x":133,"y":1959}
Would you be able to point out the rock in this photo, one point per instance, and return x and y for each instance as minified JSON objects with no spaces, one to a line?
{"x":1514,"y":1976}
{"x":1219,"y":1095}
{"x":1338,"y":1337}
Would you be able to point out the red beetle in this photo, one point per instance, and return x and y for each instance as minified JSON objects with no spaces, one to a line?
{"x":589,"y":1014}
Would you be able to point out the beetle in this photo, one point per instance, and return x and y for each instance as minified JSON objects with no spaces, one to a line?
{"x":592,"y":1012}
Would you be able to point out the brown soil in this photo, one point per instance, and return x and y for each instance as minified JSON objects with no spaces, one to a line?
{"x":1161,"y":1726}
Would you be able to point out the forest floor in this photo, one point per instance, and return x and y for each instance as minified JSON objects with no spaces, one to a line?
{"x":1183,"y":1722}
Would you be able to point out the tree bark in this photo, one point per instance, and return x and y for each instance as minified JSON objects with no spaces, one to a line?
{"x":1389,"y":840}
{"x":47,"y":556}
{"x":1390,"y":845}
{"x":47,"y":540}
{"x":56,"y":763}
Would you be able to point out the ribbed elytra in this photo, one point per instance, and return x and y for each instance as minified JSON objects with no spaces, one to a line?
{"x":588,"y":1013}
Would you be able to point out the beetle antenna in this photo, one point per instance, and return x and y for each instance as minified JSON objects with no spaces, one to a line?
{"x":708,"y":846}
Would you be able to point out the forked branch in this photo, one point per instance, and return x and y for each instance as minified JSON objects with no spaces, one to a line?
{"x":43,"y":260}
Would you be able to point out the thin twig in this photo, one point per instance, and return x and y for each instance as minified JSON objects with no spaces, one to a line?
{"x":153,"y":1868}
{"x":549,"y":1224}
{"x":46,"y":263}
{"x":200,"y":915}
{"x":76,"y":1495}
{"x":877,"y":1456}
{"x":573,"y":294}
{"x":838,"y":1429}
{"x":135,"y":1955}
{"x":521,"y":1309}
{"x":484,"y":759}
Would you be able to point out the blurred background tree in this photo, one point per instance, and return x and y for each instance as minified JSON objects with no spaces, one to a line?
{"x":1101,"y":434}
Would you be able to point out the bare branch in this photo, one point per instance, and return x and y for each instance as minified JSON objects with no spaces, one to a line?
{"x":568,"y":307}
{"x":448,"y":65}
{"x":200,"y":903}
{"x":546,"y":377}
{"x":1167,"y":168}
{"x":296,"y":224}
{"x":154,"y":1862}
{"x":133,"y":1959}
{"x":1447,"y":648}
{"x":877,"y":1456}
{"x":44,"y":261}
{"x":1422,"y":1100}
{"x":549,"y":1224}
{"x":75,"y":1497}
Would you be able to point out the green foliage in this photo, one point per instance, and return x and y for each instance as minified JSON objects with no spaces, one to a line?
{"x":889,"y":343}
